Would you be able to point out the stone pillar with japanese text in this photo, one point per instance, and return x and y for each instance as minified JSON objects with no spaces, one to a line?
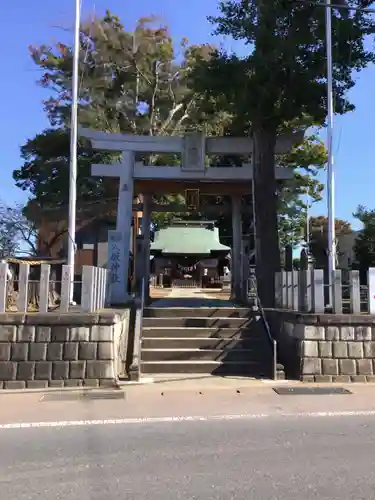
{"x":119,"y":241}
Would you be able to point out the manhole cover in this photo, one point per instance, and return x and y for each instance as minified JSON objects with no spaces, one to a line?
{"x":307,"y":391}
{"x":82,"y":396}
{"x":105,"y":395}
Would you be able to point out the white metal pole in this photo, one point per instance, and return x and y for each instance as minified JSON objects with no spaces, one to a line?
{"x":308,"y":226}
{"x":330,"y":166}
{"x":73,"y":149}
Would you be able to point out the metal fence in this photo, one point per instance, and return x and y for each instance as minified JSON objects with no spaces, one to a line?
{"x":306,"y":291}
{"x":20,"y":294}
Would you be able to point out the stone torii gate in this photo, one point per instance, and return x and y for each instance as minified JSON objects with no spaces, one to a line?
{"x":136,"y":178}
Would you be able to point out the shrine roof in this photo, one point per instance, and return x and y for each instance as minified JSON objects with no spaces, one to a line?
{"x":188,"y":239}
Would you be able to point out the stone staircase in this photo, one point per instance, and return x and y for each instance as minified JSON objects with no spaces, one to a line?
{"x":205,"y":340}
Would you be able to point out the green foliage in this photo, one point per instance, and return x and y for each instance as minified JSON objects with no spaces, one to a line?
{"x":284,"y":74}
{"x":318,"y":237}
{"x":364,"y":247}
{"x":45,"y":174}
{"x":281,"y":79}
{"x":132,"y":82}
{"x":304,"y":189}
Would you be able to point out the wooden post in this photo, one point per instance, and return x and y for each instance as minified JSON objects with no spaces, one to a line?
{"x":45,"y":270}
{"x":23,"y":287}
{"x":355,"y":292}
{"x":371,"y":290}
{"x":337,"y":291}
{"x":87,"y":297}
{"x":3,"y":286}
{"x":317,"y":286}
{"x":65,"y":288}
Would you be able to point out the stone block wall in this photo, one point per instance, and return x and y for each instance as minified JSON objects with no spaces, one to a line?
{"x":326,"y":347}
{"x":56,"y":350}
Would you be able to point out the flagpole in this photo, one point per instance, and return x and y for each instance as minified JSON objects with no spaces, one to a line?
{"x":73,"y":150}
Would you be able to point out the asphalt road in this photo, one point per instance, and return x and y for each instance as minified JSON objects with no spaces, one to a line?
{"x":284,"y":458}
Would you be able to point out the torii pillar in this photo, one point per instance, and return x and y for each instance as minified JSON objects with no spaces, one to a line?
{"x":119,"y":241}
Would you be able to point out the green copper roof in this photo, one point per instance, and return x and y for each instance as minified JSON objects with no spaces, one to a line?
{"x":187,"y":240}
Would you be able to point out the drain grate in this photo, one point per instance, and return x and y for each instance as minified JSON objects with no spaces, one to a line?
{"x":310,"y":391}
{"x":83,"y":396}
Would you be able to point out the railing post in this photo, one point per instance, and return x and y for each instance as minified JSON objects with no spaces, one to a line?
{"x":65,"y":288}
{"x":23,"y":287}
{"x":284,"y":302}
{"x":107,"y":302}
{"x":87,"y":297}
{"x":317,"y":286}
{"x":355,"y":292}
{"x":102,"y":287}
{"x":99,"y":288}
{"x":371,"y":290}
{"x":337,"y":291}
{"x":278,"y":289}
{"x":295,"y":294}
{"x":3,"y":286}
{"x":289,"y":293}
{"x":45,"y":270}
{"x":96,"y":288}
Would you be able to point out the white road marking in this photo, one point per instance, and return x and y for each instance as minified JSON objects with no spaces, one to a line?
{"x":209,"y":418}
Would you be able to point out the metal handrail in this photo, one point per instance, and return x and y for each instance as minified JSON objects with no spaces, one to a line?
{"x":266,"y":325}
{"x":143,"y":292}
{"x":135,"y":367}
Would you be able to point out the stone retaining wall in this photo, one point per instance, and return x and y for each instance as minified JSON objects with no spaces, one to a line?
{"x":56,"y":350}
{"x":326,"y":347}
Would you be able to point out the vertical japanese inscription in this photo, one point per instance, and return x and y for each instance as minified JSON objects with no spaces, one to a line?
{"x":116,"y":266}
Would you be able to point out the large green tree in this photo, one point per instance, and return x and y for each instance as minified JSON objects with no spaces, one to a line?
{"x":318,"y":238}
{"x":281,"y":78}
{"x":135,"y":82}
{"x":364,"y":247}
{"x":130,"y":81}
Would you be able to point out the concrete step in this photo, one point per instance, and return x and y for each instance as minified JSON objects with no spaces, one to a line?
{"x":199,"y":332}
{"x":250,"y":369}
{"x":199,"y":322}
{"x":198,"y":312}
{"x":201,"y":343}
{"x":225,"y":355}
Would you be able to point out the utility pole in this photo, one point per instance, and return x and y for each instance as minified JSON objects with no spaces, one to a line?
{"x":73,"y":151}
{"x":330,"y":166}
{"x":328,"y":5}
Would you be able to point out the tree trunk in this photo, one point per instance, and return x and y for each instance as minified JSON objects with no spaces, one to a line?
{"x":267,"y":237}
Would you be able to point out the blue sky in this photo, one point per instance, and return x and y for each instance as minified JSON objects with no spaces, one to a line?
{"x":31,"y":23}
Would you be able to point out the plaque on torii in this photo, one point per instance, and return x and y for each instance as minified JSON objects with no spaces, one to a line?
{"x":194,"y":153}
